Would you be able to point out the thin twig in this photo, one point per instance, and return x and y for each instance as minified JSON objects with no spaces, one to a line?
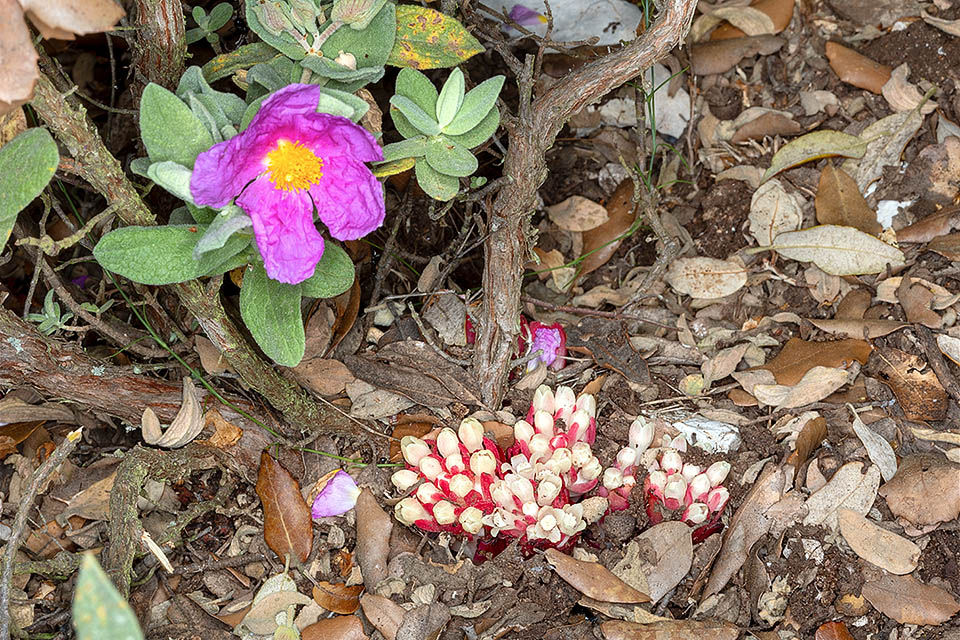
{"x":614,"y":315}
{"x":429,"y":340}
{"x":20,"y":521}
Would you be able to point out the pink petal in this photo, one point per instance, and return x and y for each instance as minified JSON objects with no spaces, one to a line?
{"x":337,"y":497}
{"x":349,"y":198}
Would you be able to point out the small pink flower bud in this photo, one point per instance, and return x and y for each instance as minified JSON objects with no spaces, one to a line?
{"x":543,"y":423}
{"x":717,"y":498}
{"x":409,"y":510}
{"x":613,"y":478}
{"x":483,"y":461}
{"x":430,"y":467}
{"x":582,"y":453}
{"x":444,"y":512}
{"x":560,"y":441}
{"x":427,"y":493}
{"x":655,"y":482}
{"x":697,"y":488}
{"x":641,"y":434}
{"x":717,"y":472}
{"x":523,"y":431}
{"x":471,"y":434}
{"x":564,"y":402}
{"x":689,"y":471}
{"x":679,"y":443}
{"x":460,"y":485}
{"x":447,"y":442}
{"x":671,"y":462}
{"x":579,"y":426}
{"x":471,"y":520}
{"x":674,"y":491}
{"x":543,"y":400}
{"x":404,"y":479}
{"x":696,"y":513}
{"x":454,"y":463}
{"x":548,"y":489}
{"x":413,"y":449}
{"x":626,"y":457}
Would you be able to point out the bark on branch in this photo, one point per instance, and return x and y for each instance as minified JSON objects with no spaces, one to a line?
{"x":539,"y":122}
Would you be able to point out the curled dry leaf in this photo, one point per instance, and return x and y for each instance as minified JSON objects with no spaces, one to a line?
{"x":799,"y":356}
{"x":339,"y":627}
{"x":813,"y":146}
{"x":947,"y":26}
{"x":186,"y":425}
{"x":832,"y":631}
{"x":840,"y":251}
{"x":769,"y":124}
{"x":941,"y":297}
{"x":909,"y":601}
{"x":886,"y":139}
{"x":750,"y":20}
{"x":338,"y":598}
{"x":708,"y":278}
{"x":938,"y":224}
{"x":918,"y":390}
{"x":856,"y":69}
{"x":811,"y":435}
{"x":876,"y":545}
{"x":849,"y":488}
{"x":600,"y":243}
{"x":720,"y":56}
{"x":903,"y":96}
{"x":672,"y":629}
{"x":774,"y":211}
{"x":593,"y":579}
{"x":373,"y":539}
{"x":657,"y":560}
{"x":577,"y":213}
{"x":858,"y":328}
{"x":780,"y":12}
{"x":287,"y":526}
{"x":925,"y":491}
{"x":947,"y":246}
{"x":383,"y":613}
{"x":839,"y":202}
{"x":878,"y":449}
{"x":815,"y":385}
{"x":949,"y":346}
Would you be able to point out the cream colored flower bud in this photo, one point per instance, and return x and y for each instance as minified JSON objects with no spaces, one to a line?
{"x":455,"y":463}
{"x":444,"y":512}
{"x":471,"y":434}
{"x":501,"y":494}
{"x":626,"y":457}
{"x":543,"y":400}
{"x":413,"y":449}
{"x":698,"y":488}
{"x":563,"y":459}
{"x":690,"y":471}
{"x":564,"y":401}
{"x":590,"y":470}
{"x":460,"y":485}
{"x":471,"y":519}
{"x":548,"y":489}
{"x":521,"y":487}
{"x":543,"y":423}
{"x":641,"y":434}
{"x":582,"y":453}
{"x":671,"y":462}
{"x":447,"y":442}
{"x":588,"y":404}
{"x":613,"y":478}
{"x":430,"y":467}
{"x":483,"y":461}
{"x":539,"y":447}
{"x":717,"y":472}
{"x":523,"y":431}
{"x":404,"y":479}
{"x":696,"y":513}
{"x":409,"y":510}
{"x":427,"y":493}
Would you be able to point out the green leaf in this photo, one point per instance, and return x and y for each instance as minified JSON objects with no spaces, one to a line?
{"x":371,"y":46}
{"x":271,"y":311}
{"x":169,"y":129}
{"x":479,"y":134}
{"x":417,"y":116}
{"x":327,"y":68}
{"x":279,"y":40}
{"x":229,"y":221}
{"x":219,"y":16}
{"x":410,"y":148}
{"x":393,"y":167}
{"x":243,"y":58}
{"x":162,"y":255}
{"x":451,"y":97}
{"x":476,"y":105}
{"x":450,"y":158}
{"x":99,"y":612}
{"x":334,"y":274}
{"x":416,"y":86}
{"x":173,"y":177}
{"x":341,"y":103}
{"x":428,"y":39}
{"x":194,"y":35}
{"x":438,"y":186}
{"x":26,"y":165}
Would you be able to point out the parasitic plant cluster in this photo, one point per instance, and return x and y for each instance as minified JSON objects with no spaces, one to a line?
{"x":461,"y":482}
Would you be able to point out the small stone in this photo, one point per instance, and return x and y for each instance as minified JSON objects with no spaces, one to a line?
{"x":851,"y":605}
{"x":254,"y":570}
{"x":620,"y":525}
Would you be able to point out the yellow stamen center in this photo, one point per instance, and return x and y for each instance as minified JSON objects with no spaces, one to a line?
{"x":293,"y":166}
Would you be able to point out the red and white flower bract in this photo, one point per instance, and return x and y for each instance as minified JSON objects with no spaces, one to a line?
{"x":462,"y":483}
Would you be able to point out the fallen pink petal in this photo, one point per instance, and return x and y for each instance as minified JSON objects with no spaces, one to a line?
{"x":337,"y":497}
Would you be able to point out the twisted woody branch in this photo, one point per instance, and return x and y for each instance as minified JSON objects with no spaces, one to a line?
{"x":539,"y":122}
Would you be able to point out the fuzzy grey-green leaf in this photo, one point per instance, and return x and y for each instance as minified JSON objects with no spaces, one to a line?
{"x":448,"y":157}
{"x":416,"y":86}
{"x":451,"y":97}
{"x":480,"y":133}
{"x":437,"y":185}
{"x":271,"y":311}
{"x":476,"y":105}
{"x":419,"y":118}
{"x":334,"y":274}
{"x":26,"y":165}
{"x":99,"y":612}
{"x":169,"y":129}
{"x":409,"y":148}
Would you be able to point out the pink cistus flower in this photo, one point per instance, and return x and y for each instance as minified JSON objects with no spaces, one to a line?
{"x":526,"y":16}
{"x":288,"y":161}
{"x":551,"y":341}
{"x":461,"y":482}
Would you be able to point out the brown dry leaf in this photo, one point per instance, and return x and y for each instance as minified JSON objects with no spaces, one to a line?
{"x":848,"y":488}
{"x":799,"y":356}
{"x":769,"y":124}
{"x":780,"y":12}
{"x":417,"y":425}
{"x":853,"y":305}
{"x":858,"y":328}
{"x":916,"y":301}
{"x":903,"y":96}
{"x":287,"y":526}
{"x":322,"y":376}
{"x":878,"y":449}
{"x":383,"y":613}
{"x":706,"y":278}
{"x":348,"y":307}
{"x":64,"y":18}
{"x":856,"y":69}
{"x":886,"y":140}
{"x":600,"y":243}
{"x":670,"y":630}
{"x":876,"y":545}
{"x":916,"y":386}
{"x":338,"y":598}
{"x":658,"y":559}
{"x":577,"y":213}
{"x":932,"y":226}
{"x":839,"y":201}
{"x":889,"y":291}
{"x":373,"y":539}
{"x":811,"y":435}
{"x":832,"y":631}
{"x":225,"y":434}
{"x":212,"y":360}
{"x":948,"y":246}
{"x":910,"y":495}
{"x":815,"y":385}
{"x":719,"y":56}
{"x":93,"y":503}
{"x":18,"y":73}
{"x":909,"y":601}
{"x":748,"y":524}
{"x":14,"y":433}
{"x":338,"y":628}
{"x":593,"y":579}
{"x":748,"y":19}
{"x":723,"y":364}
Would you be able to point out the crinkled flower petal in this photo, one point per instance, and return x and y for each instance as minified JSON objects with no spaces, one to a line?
{"x":223,"y":170}
{"x":551,"y":341}
{"x":349,"y":199}
{"x":283,"y":226}
{"x":338,"y":496}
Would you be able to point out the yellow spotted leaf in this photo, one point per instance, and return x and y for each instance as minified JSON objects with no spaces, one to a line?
{"x":428,"y":39}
